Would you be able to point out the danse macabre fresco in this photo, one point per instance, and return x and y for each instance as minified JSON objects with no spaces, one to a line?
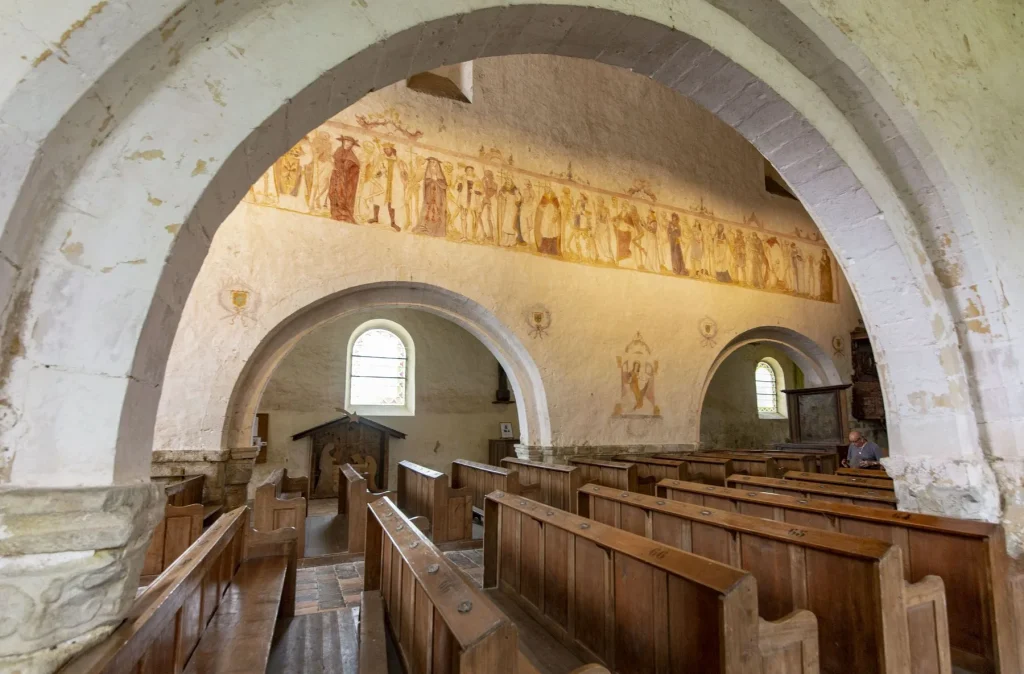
{"x":363,"y":177}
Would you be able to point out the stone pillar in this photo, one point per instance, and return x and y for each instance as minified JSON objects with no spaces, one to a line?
{"x":227,"y":471}
{"x":69,"y":567}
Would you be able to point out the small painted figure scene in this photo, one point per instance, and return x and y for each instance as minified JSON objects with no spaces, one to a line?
{"x":362,"y":177}
{"x":637,"y":373}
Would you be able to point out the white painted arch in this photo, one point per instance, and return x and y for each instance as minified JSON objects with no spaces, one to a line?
{"x":177,"y":108}
{"x":524,"y":377}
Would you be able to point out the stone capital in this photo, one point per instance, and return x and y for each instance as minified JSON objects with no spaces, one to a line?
{"x":69,"y":567}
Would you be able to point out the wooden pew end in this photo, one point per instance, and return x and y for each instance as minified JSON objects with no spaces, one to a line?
{"x":796,"y":633}
{"x":928,"y":624}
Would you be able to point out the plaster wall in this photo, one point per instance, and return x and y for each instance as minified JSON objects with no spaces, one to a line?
{"x":456,"y":377}
{"x":729,"y":416}
{"x":604,"y":136}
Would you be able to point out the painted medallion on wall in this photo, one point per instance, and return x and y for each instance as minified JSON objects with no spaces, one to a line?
{"x":380,"y":174}
{"x":637,"y":373}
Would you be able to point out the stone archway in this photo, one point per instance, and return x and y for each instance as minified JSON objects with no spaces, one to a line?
{"x":534,"y":423}
{"x":177,"y":110}
{"x":817,"y":366}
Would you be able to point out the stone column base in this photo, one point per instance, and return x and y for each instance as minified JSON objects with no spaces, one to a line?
{"x":563,"y":454}
{"x":69,"y":567}
{"x":227,"y":471}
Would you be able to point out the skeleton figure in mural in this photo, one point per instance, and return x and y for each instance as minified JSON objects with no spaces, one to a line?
{"x":637,"y":372}
{"x":510,"y":203}
{"x":738,"y":248}
{"x":288,"y":177}
{"x":647,"y":243}
{"x":674,"y":235}
{"x":697,"y":251}
{"x":778,"y":264}
{"x":318,"y":173}
{"x":434,"y":213}
{"x":490,"y":191}
{"x":565,"y":208}
{"x":604,"y":235}
{"x":381,"y":182}
{"x":581,"y":234}
{"x":707,"y":232}
{"x":723,"y":256}
{"x":345,"y":180}
{"x":466,"y":191}
{"x":547,"y":224}
{"x":527,"y":214}
{"x":412,"y":174}
{"x":825,"y":273}
{"x":796,"y":269}
{"x":327,"y":480}
{"x":757,"y":260}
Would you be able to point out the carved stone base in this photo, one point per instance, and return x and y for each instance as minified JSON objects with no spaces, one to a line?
{"x":69,"y":567}
{"x":227,"y":471}
{"x":562,"y":454}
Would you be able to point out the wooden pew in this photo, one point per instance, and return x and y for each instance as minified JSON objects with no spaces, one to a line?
{"x":840,"y":494}
{"x":758,"y":465}
{"x":609,"y":473}
{"x":483,"y":478}
{"x":556,"y":484}
{"x":842,"y":480}
{"x":186,"y":491}
{"x":703,"y":468}
{"x":276,"y":508}
{"x":423,"y":492}
{"x":810,"y":462}
{"x":969,"y":556}
{"x":439,"y":620}
{"x":212,"y":610}
{"x":352,"y":503}
{"x":870,"y":473}
{"x":632,"y":604}
{"x":180,"y":527}
{"x":870,"y":619}
{"x":650,"y":470}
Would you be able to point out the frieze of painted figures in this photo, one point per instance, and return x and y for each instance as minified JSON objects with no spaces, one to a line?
{"x":352,"y":176}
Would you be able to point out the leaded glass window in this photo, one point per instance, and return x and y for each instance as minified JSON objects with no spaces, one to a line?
{"x":767,"y":389}
{"x":378,"y":369}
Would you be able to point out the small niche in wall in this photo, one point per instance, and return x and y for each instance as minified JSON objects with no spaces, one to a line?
{"x":774,"y":182}
{"x":454,"y":82}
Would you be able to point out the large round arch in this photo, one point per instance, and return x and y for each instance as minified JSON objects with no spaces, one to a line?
{"x":818,"y":368}
{"x":531,"y":401}
{"x":182,"y":109}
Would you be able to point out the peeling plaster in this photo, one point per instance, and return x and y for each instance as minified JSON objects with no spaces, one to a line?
{"x":147,"y":155}
{"x":93,"y":11}
{"x":200,"y":168}
{"x":215,"y":91}
{"x":154,"y":200}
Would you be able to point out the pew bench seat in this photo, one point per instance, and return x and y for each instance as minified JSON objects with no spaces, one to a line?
{"x":238,"y":636}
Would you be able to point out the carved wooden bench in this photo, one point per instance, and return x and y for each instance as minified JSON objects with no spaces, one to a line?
{"x":280,"y":503}
{"x":352,"y":502}
{"x":759,"y":465}
{"x":783,"y":460}
{"x":556,"y":484}
{"x":212,"y":610}
{"x":838,"y":493}
{"x":842,"y":480}
{"x":702,"y":467}
{"x":481,"y":479}
{"x":633,"y":604}
{"x":650,"y":470}
{"x":969,"y":556}
{"x":439,"y":620}
{"x":180,"y":527}
{"x":426,"y":493}
{"x":870,"y":619}
{"x":607,"y":472}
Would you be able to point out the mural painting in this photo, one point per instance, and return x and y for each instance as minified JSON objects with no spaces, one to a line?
{"x":362,"y":177}
{"x":637,"y":372}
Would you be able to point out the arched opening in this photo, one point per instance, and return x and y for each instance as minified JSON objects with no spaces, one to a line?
{"x":381,"y":369}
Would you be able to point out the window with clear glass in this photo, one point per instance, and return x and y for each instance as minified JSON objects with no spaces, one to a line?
{"x":378,"y":369}
{"x":767,"y":389}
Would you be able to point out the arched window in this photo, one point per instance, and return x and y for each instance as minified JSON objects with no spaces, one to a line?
{"x":768,"y":384}
{"x":380,"y":370}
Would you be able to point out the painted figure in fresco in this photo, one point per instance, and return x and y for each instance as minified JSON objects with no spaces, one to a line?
{"x":738,"y":248}
{"x":675,"y":246}
{"x":723,"y":256}
{"x":412,"y":175}
{"x":565,"y":208}
{"x":380,"y":180}
{"x":796,"y":268}
{"x":778,"y":264}
{"x":637,"y":372}
{"x":327,"y":480}
{"x":288,"y":172}
{"x":627,"y":231}
{"x":490,"y":191}
{"x":757,"y":260}
{"x":527,"y":213}
{"x":434,"y":215}
{"x":582,"y":245}
{"x":547,"y":224}
{"x":345,"y":180}
{"x":604,"y":236}
{"x":647,"y":243}
{"x":510,"y":203}
{"x":467,"y":200}
{"x":318,"y":173}
{"x":825,"y":273}
{"x":707,"y":231}
{"x":697,"y":251}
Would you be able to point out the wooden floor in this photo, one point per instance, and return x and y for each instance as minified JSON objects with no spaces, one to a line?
{"x":321,"y":643}
{"x":543,"y":651}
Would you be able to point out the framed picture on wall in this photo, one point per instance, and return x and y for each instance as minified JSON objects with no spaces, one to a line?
{"x":506,"y":429}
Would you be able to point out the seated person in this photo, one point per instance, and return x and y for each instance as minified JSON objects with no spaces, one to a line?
{"x":861,"y":453}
